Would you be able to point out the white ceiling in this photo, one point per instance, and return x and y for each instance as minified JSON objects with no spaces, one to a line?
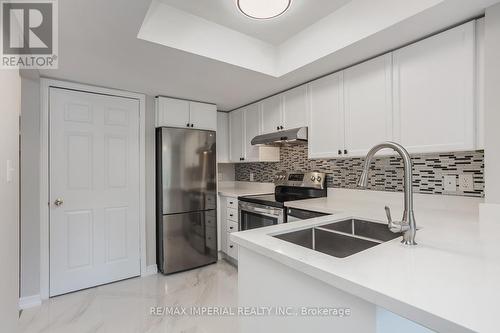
{"x":98,"y":45}
{"x":302,"y":13}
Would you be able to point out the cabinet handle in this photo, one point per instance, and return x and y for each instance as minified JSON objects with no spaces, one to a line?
{"x":340,"y":152}
{"x":345,"y":151}
{"x":278,"y":128}
{"x":187,"y":125}
{"x":281,"y":127}
{"x":192,"y":125}
{"x":231,"y":228}
{"x":230,"y":202}
{"x":231,"y":215}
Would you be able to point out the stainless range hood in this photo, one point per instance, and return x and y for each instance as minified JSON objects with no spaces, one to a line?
{"x":288,"y":137}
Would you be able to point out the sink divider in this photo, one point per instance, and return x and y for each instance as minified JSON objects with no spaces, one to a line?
{"x":345,"y":234}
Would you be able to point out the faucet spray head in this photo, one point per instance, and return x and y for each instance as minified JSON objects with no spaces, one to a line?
{"x":363,"y":180}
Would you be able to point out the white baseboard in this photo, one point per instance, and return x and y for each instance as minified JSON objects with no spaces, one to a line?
{"x":151,"y":270}
{"x":29,"y":302}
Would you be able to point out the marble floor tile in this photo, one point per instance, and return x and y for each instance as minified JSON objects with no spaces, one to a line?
{"x":126,"y":306}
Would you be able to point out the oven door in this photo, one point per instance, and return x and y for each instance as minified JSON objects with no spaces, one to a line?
{"x":254,"y":216}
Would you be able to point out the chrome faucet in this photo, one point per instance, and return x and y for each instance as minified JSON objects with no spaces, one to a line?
{"x":407,"y":224}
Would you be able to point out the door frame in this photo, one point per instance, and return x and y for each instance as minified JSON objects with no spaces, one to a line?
{"x":45,"y":85}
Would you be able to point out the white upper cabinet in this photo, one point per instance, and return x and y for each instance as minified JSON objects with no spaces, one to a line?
{"x":434,"y":109}
{"x":222,"y":137}
{"x":272,"y":119}
{"x":295,"y":108}
{"x":236,"y":134}
{"x":480,"y":79}
{"x":368,"y":105}
{"x":326,"y":117}
{"x":252,"y":129}
{"x":244,"y":125}
{"x":203,"y":116}
{"x":173,"y":112}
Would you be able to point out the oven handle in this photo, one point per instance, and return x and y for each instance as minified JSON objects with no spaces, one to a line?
{"x":263,"y":211}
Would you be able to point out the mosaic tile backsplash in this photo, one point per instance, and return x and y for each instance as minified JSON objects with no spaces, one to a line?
{"x":386,"y":172}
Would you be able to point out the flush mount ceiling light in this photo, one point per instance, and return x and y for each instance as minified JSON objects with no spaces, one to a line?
{"x":263,"y":9}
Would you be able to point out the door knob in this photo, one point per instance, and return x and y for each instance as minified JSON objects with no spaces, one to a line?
{"x":58,"y":202}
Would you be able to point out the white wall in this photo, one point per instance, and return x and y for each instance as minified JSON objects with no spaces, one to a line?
{"x":30,"y":186}
{"x":492,"y":105}
{"x":150,"y":183}
{"x":226,"y":172}
{"x":10,"y":102}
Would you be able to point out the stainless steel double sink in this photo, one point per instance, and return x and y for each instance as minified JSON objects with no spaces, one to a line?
{"x":341,"y":239}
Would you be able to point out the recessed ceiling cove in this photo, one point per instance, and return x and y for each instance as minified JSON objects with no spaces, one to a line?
{"x":216,"y":29}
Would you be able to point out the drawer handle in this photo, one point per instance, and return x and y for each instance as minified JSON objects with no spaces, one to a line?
{"x":231,"y":228}
{"x":230,"y":246}
{"x":230,"y":202}
{"x":231,"y":215}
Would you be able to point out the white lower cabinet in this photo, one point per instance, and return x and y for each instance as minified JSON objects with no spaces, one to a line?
{"x":229,"y":224}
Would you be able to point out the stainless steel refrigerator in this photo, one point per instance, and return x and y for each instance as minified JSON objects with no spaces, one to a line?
{"x":186,"y":199}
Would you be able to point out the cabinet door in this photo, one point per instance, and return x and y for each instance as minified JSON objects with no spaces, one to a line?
{"x":172,"y":112}
{"x":236,"y":135}
{"x":295,"y":108}
{"x":252,"y":129}
{"x":222,"y":137}
{"x":434,"y":92}
{"x":480,"y":79}
{"x":271,"y":114}
{"x":326,"y":119}
{"x":368,"y":105}
{"x":203,"y":116}
{"x":223,"y":223}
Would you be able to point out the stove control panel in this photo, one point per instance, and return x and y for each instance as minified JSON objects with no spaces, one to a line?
{"x":301,"y":179}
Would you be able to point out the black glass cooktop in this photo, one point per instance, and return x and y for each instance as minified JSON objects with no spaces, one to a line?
{"x":283,"y":194}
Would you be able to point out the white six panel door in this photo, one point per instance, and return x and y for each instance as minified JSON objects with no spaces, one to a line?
{"x":94,"y":171}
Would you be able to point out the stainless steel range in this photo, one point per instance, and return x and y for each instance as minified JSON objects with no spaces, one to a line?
{"x":259,"y":211}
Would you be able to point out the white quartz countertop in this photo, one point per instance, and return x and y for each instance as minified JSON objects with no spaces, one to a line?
{"x":449,"y":282}
{"x":237,"y":189}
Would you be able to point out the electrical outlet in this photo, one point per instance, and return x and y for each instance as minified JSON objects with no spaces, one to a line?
{"x":450,"y":183}
{"x":251,"y":176}
{"x":466,"y":182}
